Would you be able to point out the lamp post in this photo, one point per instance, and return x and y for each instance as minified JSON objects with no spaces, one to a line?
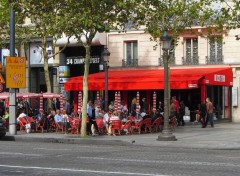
{"x":166,"y":134}
{"x":105,"y":56}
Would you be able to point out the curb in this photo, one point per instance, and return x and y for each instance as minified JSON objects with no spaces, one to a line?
{"x":67,"y":140}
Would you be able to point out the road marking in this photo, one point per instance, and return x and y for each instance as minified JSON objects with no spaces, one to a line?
{"x":82,"y":170}
{"x":164,"y":162}
{"x":22,"y":154}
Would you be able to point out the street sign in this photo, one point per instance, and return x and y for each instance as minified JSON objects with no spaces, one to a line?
{"x":15,"y":72}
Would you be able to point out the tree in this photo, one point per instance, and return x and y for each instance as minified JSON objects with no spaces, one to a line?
{"x":85,"y":19}
{"x":46,"y":23}
{"x":178,"y":16}
{"x":4,"y":20}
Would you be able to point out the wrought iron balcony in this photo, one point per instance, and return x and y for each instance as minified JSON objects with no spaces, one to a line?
{"x":214,"y":59}
{"x":170,"y":62}
{"x":130,"y":63}
{"x":190,"y":60}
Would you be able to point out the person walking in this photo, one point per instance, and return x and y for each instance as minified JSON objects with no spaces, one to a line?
{"x":209,"y":107}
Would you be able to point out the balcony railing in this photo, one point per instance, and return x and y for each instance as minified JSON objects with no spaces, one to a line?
{"x":130,"y":63}
{"x":190,"y":60}
{"x":171,"y":61}
{"x":214,"y":60}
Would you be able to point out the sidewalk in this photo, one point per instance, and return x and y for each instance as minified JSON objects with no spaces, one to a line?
{"x":222,"y":136}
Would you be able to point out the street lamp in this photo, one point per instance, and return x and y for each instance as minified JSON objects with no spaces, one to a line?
{"x":166,"y":134}
{"x":105,"y":56}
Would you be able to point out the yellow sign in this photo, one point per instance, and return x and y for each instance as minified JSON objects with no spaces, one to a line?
{"x":15,"y":72}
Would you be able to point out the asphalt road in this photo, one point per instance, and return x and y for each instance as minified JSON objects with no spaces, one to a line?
{"x":33,"y":159}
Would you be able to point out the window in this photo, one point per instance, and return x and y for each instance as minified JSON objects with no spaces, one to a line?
{"x":131,"y":54}
{"x":215,"y":50}
{"x":191,"y":51}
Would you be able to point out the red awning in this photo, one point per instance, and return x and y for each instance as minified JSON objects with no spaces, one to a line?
{"x":187,"y":78}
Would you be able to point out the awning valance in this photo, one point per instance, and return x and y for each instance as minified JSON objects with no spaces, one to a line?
{"x":140,"y":79}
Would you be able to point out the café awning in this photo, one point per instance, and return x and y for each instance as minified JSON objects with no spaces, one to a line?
{"x":151,"y":79}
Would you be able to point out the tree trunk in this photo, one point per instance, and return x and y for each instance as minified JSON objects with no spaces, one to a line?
{"x":45,"y":56}
{"x":85,"y":91}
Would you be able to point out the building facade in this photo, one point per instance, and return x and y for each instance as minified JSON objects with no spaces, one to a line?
{"x":135,"y":50}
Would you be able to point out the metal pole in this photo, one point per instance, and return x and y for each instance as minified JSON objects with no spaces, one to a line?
{"x":166,"y":134}
{"x":12,"y":92}
{"x":106,"y":85}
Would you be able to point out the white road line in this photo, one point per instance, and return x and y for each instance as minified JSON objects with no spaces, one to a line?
{"x":164,"y":162}
{"x":82,"y":170}
{"x":22,"y":154}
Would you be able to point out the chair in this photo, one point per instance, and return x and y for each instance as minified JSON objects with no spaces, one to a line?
{"x":51,"y":126}
{"x":116,"y":125}
{"x":41,"y":125}
{"x":100,"y":125}
{"x":75,"y":124}
{"x":22,"y":123}
{"x":59,"y":126}
{"x":131,"y":118}
{"x":127,"y":126}
{"x":156,"y":124}
{"x":30,"y":120}
{"x":147,"y":125}
{"x":137,"y":126}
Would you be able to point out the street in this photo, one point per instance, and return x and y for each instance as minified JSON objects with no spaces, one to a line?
{"x":18,"y":158}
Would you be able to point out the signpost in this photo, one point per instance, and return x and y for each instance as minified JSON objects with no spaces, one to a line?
{"x":16,"y":72}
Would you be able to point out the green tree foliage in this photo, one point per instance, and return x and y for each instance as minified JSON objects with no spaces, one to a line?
{"x":86,"y":18}
{"x":177,"y":16}
{"x":44,"y":20}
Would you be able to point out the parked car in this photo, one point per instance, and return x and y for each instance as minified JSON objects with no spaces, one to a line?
{"x":3,"y":128}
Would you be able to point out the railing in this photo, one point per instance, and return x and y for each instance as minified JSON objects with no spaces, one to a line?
{"x":214,"y":60}
{"x":130,"y":63}
{"x":190,"y":60}
{"x":170,"y":62}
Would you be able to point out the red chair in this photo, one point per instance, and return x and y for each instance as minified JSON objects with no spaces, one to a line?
{"x":127,"y":126}
{"x":30,"y":119}
{"x":75,"y":124}
{"x":116,"y":125}
{"x":147,"y":125}
{"x":136,"y":126}
{"x":131,"y":118}
{"x":40,"y":125}
{"x":22,"y":123}
{"x":156,"y":124}
{"x":59,"y":126}
{"x":32,"y":122}
{"x":100,"y":125}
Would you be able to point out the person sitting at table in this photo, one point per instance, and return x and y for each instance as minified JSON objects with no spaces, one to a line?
{"x":21,"y":115}
{"x":40,"y":116}
{"x":197,"y":114}
{"x":74,"y":113}
{"x":65,"y":119}
{"x":58,"y":118}
{"x":106,"y":117}
{"x":112,"y":118}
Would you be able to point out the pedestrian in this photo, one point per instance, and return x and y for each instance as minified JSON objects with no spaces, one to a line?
{"x":203,"y":113}
{"x":209,"y":107}
{"x":144,"y":105}
{"x":181,"y":113}
{"x":177,"y":106}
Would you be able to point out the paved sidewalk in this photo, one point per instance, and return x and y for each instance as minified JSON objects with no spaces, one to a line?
{"x":222,"y":136}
